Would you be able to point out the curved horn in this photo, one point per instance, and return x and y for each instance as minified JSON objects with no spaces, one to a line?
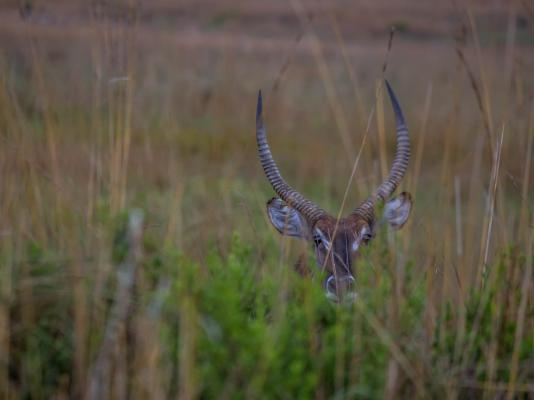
{"x":308,"y":209}
{"x":400,"y":163}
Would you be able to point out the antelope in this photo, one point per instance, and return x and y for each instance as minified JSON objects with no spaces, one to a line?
{"x":337,"y":242}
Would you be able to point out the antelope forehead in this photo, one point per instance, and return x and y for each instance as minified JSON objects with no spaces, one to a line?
{"x":346,"y":238}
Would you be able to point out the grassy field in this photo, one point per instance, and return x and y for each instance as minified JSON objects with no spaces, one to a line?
{"x":136,"y":256}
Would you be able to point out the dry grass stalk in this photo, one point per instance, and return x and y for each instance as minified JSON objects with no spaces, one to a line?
{"x":101,"y":371}
{"x":493,"y":184}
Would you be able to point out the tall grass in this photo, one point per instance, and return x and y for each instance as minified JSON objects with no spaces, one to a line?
{"x":117,"y":115}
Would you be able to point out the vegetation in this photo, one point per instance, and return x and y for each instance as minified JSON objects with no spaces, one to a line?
{"x":136,"y":259}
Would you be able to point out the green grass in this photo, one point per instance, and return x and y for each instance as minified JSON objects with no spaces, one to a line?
{"x":242,"y":327}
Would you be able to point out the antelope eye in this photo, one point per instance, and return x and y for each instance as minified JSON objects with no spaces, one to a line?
{"x":366,"y":236}
{"x":317,"y":240}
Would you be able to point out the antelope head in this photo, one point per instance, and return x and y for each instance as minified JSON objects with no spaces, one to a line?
{"x":337,"y":242}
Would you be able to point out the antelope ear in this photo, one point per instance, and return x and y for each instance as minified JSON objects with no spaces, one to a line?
{"x":397,"y":210}
{"x":287,"y":220}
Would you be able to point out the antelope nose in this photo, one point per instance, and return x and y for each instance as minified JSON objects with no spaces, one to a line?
{"x":340,"y":287}
{"x":346,"y":284}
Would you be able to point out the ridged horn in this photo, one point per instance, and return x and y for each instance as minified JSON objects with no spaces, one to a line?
{"x":308,"y":209}
{"x":398,"y":169}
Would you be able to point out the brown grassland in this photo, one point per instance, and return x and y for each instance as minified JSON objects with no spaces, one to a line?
{"x":126,"y":112}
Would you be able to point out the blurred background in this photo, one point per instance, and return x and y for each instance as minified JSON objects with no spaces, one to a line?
{"x":109,"y":106}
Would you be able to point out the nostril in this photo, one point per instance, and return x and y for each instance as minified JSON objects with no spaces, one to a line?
{"x":348,"y":283}
{"x":342,"y":286}
{"x":331,"y":285}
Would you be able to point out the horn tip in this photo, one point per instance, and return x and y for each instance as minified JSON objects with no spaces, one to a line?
{"x":259,"y":106}
{"x":395,"y":103}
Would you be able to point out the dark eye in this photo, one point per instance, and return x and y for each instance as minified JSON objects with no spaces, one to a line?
{"x":366,"y":236}
{"x":317,"y":240}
